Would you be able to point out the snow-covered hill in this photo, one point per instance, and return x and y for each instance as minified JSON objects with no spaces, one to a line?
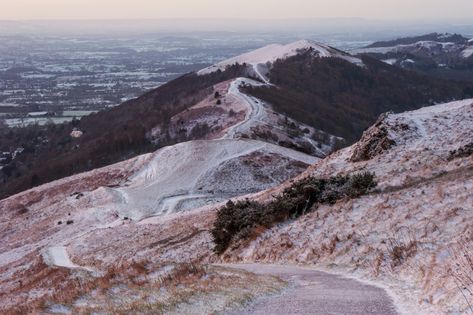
{"x":412,"y":234}
{"x":423,"y":48}
{"x":192,"y":174}
{"x":174,"y":179}
{"x":433,"y":50}
{"x":261,"y":58}
{"x":82,"y":233}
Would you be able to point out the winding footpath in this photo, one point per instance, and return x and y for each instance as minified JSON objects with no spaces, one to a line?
{"x":255,"y":110}
{"x":314,"y":292}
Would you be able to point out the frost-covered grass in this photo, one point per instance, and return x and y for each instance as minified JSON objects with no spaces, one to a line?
{"x":145,"y":288}
{"x":410,"y":232}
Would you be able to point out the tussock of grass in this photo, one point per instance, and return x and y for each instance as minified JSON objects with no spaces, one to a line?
{"x":236,"y":221}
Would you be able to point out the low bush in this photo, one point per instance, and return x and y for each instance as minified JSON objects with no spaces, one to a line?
{"x":237,"y":221}
{"x":462,"y":152}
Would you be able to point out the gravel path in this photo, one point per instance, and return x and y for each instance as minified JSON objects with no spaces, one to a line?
{"x":316,"y":292}
{"x":255,"y":108}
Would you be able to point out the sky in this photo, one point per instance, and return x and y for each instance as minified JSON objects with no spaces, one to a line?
{"x":235,"y":9}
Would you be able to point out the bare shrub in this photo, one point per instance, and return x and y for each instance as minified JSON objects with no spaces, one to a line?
{"x":401,"y":248}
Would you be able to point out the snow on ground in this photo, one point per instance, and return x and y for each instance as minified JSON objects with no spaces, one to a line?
{"x":468,"y":52}
{"x":408,"y":233}
{"x":58,"y":256}
{"x":390,"y":61}
{"x":178,"y":177}
{"x":262,"y":123}
{"x":271,"y":53}
{"x":171,"y":289}
{"x":422,"y":197}
{"x":182,"y":177}
{"x":254,"y":114}
{"x":136,"y":194}
{"x":145,"y":208}
{"x":421,"y":46}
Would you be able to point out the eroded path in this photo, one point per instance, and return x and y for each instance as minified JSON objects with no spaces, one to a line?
{"x":315,"y":292}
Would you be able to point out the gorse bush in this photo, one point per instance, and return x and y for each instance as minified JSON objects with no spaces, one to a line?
{"x":237,"y":221}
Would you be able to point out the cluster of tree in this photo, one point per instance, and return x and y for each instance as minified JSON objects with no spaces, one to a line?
{"x":344,"y":99}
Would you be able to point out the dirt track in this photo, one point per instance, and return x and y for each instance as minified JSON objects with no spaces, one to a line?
{"x":316,"y":292}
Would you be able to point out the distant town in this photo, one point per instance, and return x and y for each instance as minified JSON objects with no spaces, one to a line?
{"x":56,"y":79}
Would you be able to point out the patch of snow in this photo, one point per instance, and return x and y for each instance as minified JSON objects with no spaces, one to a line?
{"x":37,"y":113}
{"x":59,"y":309}
{"x":468,"y":52}
{"x":407,"y":61}
{"x":76,"y":133}
{"x":390,"y":61}
{"x":58,"y":256}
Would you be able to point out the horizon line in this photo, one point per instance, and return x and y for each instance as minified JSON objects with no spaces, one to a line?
{"x":412,"y":19}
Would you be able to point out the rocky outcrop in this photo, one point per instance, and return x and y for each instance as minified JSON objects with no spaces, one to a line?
{"x":374,"y":142}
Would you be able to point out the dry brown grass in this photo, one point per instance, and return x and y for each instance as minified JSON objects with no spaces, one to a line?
{"x":462,"y":270}
{"x":401,"y":247}
{"x":130,"y":288}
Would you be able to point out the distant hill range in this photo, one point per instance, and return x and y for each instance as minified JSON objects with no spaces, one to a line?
{"x":433,"y":37}
{"x":447,"y":56}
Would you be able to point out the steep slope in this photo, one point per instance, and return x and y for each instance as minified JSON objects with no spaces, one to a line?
{"x":310,"y":111}
{"x":411,"y":234}
{"x":108,"y":137}
{"x":344,"y":99}
{"x":137,"y":192}
{"x":414,"y":232}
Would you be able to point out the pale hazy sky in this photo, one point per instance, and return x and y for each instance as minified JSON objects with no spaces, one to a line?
{"x":251,"y":9}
